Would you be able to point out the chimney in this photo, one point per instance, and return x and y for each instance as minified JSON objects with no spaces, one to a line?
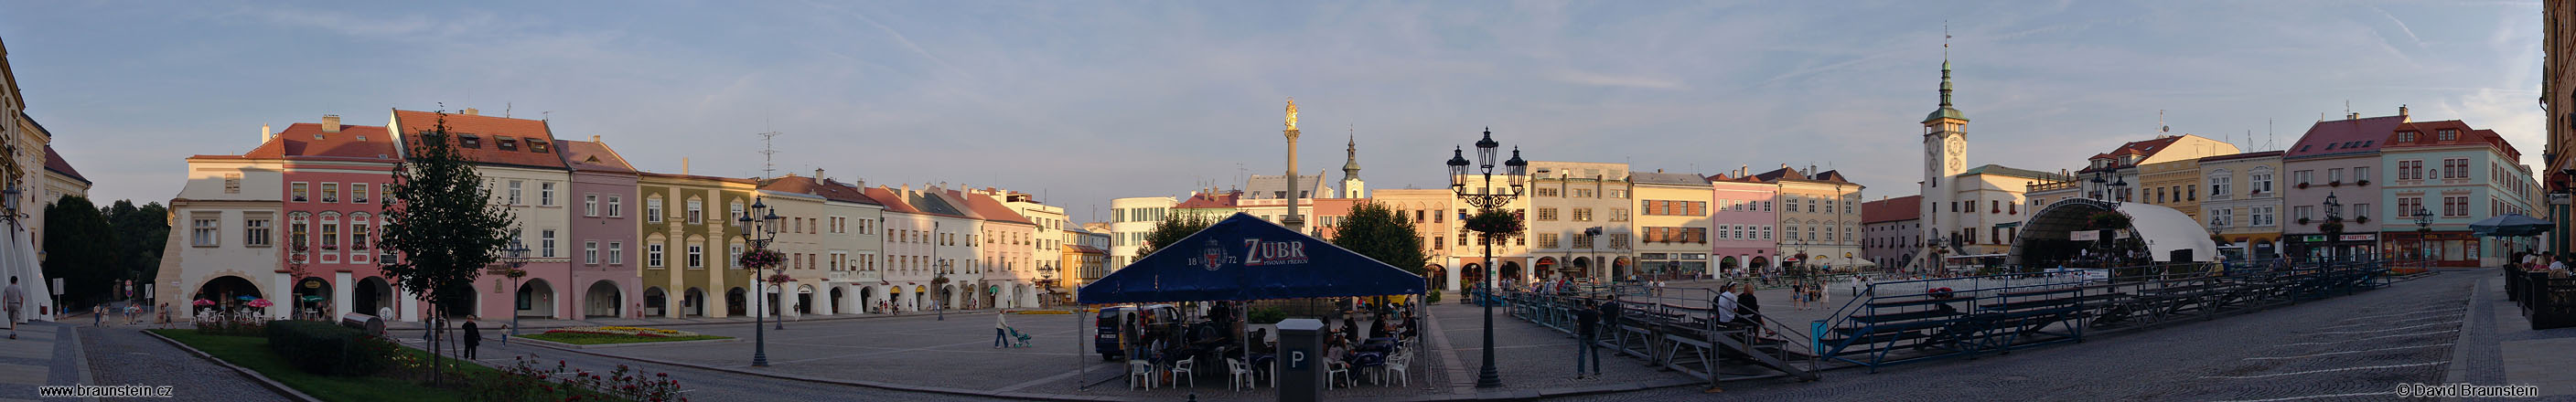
{"x":818,"y":173}
{"x":684,"y":165}
{"x":265,"y":133}
{"x":2352,"y":116}
{"x":594,"y":138}
{"x":330,"y":123}
{"x":471,"y":112}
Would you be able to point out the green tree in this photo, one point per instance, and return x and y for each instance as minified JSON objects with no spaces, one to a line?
{"x":80,"y":249}
{"x":442,"y":224}
{"x":140,"y":234}
{"x":1174,"y":227}
{"x":1381,"y":233}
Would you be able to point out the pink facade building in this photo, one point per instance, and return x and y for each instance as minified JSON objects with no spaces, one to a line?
{"x":1741,"y":223}
{"x":602,"y":182}
{"x":335,"y":176}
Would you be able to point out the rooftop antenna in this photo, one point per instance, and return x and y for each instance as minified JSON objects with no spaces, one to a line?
{"x":2161,"y":128}
{"x":505,"y":110}
{"x":768,"y":153}
{"x":547,"y":115}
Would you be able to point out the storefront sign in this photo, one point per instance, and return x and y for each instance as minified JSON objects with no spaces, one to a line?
{"x":2084,"y":235}
{"x":2361,"y":237}
{"x":2312,"y":238}
{"x":2558,"y":199}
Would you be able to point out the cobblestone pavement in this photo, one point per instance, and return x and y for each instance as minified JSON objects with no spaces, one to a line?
{"x":124,"y":355}
{"x":2356,"y":347}
{"x":704,"y":385}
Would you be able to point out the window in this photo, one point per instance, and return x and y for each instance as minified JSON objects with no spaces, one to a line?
{"x":300,"y":191}
{"x":2360,"y":210}
{"x":2301,"y":176}
{"x":2218,"y":184}
{"x":2455,"y":168}
{"x":697,"y":256}
{"x":1618,"y":214}
{"x":616,"y":206}
{"x":2361,"y":173}
{"x":208,"y":229}
{"x":590,"y":253}
{"x":330,"y":192}
{"x":2262,"y":216}
{"x":254,"y":232}
{"x":616,"y":253}
{"x":232,"y":183}
{"x":2191,"y":192}
{"x":514,"y":192}
{"x":358,"y":234}
{"x":2412,"y":169}
{"x":358,"y":193}
{"x":506,"y":143}
{"x":470,"y":141}
{"x":2448,"y":134}
{"x":733,"y":211}
{"x":1545,"y":192}
{"x":589,"y":205}
{"x":653,"y":255}
{"x":653,"y":210}
{"x":2406,"y":206}
{"x":1546,"y":214}
{"x":297,"y":229}
{"x":2454,"y":206}
{"x":1766,"y":232}
{"x":1582,"y":214}
{"x":537,"y":145}
{"x":2406,"y":136}
{"x":546,"y":243}
{"x":1547,"y":240}
{"x":2262,"y":181}
{"x":2303,"y":212}
{"x":695,"y":212}
{"x":2334,"y":175}
{"x":546,"y":194}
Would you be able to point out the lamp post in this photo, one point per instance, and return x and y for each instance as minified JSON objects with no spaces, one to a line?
{"x":518,"y":257}
{"x":2334,"y":215}
{"x":757,"y":233}
{"x":2424,"y":238}
{"x":1487,"y":200}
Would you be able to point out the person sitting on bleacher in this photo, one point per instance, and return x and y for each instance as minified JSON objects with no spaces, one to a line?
{"x":1749,"y":309}
{"x":1725,"y":305}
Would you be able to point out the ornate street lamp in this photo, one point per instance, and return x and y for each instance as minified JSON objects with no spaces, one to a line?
{"x":2424,"y":237}
{"x":757,"y":233}
{"x":2334,"y":216}
{"x":1487,"y":199}
{"x":517,"y":257}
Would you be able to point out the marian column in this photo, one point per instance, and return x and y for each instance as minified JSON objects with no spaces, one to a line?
{"x":1293,"y":222}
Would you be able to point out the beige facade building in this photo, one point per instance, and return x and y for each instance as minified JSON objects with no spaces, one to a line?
{"x":2243,"y":204}
{"x":1434,"y":216}
{"x":2174,"y":184}
{"x":1820,"y":218}
{"x":1579,"y":221}
{"x":1672,"y":224}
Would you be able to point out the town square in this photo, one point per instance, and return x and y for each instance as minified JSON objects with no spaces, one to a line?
{"x":1116,"y":201}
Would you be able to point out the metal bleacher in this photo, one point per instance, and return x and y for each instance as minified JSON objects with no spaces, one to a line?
{"x":1672,"y":329}
{"x":1922,"y":320}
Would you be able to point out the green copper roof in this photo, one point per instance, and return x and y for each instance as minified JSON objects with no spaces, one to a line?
{"x":1946,"y":111}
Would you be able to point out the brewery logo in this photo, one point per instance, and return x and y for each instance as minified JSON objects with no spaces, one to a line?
{"x":1258,"y":253}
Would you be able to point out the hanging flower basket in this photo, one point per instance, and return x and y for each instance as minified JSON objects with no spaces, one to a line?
{"x":2362,"y":220}
{"x":780,"y":278}
{"x":2363,"y":182}
{"x":2337,"y":183}
{"x":760,"y":259}
{"x":2303,"y":221}
{"x":2108,"y":220}
{"x":2331,"y":227}
{"x":1495,"y":223}
{"x":2303,"y":186}
{"x":515,"y":273}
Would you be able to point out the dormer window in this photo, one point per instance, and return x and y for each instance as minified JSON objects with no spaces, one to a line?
{"x":2449,"y":135}
{"x":470,"y":141}
{"x":506,"y":143}
{"x":537,"y":146}
{"x":2406,"y":136}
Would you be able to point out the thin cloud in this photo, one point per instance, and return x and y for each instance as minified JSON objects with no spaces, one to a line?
{"x":1609,"y":80}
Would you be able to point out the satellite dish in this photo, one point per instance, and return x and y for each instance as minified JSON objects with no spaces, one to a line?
{"x":2165,"y":129}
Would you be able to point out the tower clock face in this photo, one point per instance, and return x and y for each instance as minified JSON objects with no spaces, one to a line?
{"x":1957,"y":146}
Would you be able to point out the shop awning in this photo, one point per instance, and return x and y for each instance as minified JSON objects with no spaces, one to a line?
{"x":1246,"y":258}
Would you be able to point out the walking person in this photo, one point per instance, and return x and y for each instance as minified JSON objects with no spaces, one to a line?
{"x":473,"y":337}
{"x":15,"y":300}
{"x":1587,"y":326}
{"x":1001,"y":329}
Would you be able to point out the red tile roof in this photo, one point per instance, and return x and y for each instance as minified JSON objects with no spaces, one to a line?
{"x":55,"y":162}
{"x":991,"y":209}
{"x":2428,"y":135}
{"x":590,"y":156}
{"x":489,"y":131}
{"x":886,"y":196}
{"x":829,"y":190}
{"x":1893,"y":209}
{"x":2344,"y":136}
{"x":308,"y":140}
{"x":1774,"y":176}
{"x":2143,"y":149}
{"x":2248,"y":155}
{"x":1211,"y":201}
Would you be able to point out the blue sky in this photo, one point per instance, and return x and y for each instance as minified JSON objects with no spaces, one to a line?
{"x":1084,"y":101}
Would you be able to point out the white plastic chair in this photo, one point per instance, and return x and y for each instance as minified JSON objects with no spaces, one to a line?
{"x":1239,"y":374}
{"x":1395,"y":366}
{"x":1140,"y":373}
{"x":1181,"y":371}
{"x":1335,"y":368}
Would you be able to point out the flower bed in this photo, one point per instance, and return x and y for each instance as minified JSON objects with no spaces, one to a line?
{"x":628,"y":331}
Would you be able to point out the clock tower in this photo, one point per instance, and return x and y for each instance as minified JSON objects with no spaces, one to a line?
{"x":1945,"y":155}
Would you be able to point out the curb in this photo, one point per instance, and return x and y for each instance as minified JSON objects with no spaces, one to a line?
{"x":568,"y":346}
{"x":273,"y":385}
{"x":415,"y":325}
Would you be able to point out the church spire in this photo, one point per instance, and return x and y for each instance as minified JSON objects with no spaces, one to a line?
{"x":1351,"y":168}
{"x":1946,"y":112}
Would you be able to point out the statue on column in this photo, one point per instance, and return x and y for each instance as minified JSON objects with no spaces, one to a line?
{"x":1292,"y":113}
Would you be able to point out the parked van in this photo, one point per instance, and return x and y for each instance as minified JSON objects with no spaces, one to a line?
{"x":1109,"y":319}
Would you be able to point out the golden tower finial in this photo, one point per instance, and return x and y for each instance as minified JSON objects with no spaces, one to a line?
{"x":1292,"y":113}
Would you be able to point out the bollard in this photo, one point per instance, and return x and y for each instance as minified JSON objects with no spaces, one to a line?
{"x":1301,"y":360}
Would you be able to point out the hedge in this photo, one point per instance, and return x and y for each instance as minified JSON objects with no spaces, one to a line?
{"x":328,"y":349}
